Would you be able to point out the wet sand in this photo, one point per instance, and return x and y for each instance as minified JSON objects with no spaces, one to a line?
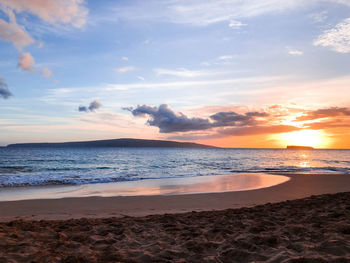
{"x":300,"y":185}
{"x":315,"y":229}
{"x":165,"y":186}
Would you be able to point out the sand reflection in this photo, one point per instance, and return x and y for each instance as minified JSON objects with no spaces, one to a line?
{"x":189,"y":185}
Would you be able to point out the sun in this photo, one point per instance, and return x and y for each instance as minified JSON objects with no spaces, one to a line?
{"x":313,"y":138}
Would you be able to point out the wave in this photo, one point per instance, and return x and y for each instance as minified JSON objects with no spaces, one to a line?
{"x":46,"y":179}
{"x":76,"y":167}
{"x":14,"y":169}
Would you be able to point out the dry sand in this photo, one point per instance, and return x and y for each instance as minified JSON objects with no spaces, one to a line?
{"x":315,"y":230}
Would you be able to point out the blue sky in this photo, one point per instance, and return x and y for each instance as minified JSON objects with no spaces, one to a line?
{"x":198,"y":57}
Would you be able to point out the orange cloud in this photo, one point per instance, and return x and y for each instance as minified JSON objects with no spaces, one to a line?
{"x":324,"y":113}
{"x":14,"y":33}
{"x":53,"y":11}
{"x":258,"y":128}
{"x":26,"y":62}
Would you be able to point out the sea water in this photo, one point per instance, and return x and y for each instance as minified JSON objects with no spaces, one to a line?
{"x":78,"y":166}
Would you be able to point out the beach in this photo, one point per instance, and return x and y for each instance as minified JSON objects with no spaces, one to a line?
{"x":271,"y":224}
{"x":314,"y":229}
{"x":174,"y":131}
{"x":299,"y":186}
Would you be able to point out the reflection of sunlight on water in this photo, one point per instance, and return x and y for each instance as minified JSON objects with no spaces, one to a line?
{"x":305,"y":162}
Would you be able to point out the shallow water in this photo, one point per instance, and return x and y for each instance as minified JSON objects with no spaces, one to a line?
{"x":59,"y":166}
{"x":169,"y":186}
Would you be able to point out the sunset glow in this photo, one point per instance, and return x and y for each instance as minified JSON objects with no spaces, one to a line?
{"x":311,"y":138}
{"x":228,"y":73}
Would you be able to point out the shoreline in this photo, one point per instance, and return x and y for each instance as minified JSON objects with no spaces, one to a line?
{"x":147,"y":187}
{"x":299,"y":186}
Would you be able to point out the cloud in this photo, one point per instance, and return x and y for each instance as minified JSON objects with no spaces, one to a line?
{"x":230,"y":123}
{"x":71,"y":12}
{"x":231,"y":118}
{"x":46,"y":72}
{"x":219,"y":82}
{"x":83,"y":109}
{"x":26,"y":62}
{"x":125,"y":69}
{"x":125,"y":58}
{"x":236,"y":24}
{"x":334,"y":123}
{"x":295,"y":52}
{"x":203,"y":13}
{"x":319,"y":17}
{"x":324,"y":113}
{"x":239,"y":131}
{"x":52,"y":11}
{"x":184,"y":73}
{"x":337,"y":38}
{"x":94,"y":105}
{"x":169,"y":121}
{"x":4,"y":91}
{"x":257,"y":130}
{"x":225,"y":57}
{"x":12,"y":32}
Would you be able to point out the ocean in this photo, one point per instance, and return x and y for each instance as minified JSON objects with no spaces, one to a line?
{"x":77,"y":166}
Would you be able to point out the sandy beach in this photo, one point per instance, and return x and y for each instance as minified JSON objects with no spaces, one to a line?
{"x":299,"y":186}
{"x":315,"y":229}
{"x":260,"y":225}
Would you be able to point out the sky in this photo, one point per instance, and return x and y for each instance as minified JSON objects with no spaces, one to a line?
{"x":229,"y":73}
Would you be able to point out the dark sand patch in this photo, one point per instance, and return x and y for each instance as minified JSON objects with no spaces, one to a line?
{"x":314,"y":229}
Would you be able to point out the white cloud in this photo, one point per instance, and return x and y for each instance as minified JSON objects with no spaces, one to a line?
{"x":125,"y":58}
{"x":141,"y":78}
{"x":202,"y":13}
{"x":26,"y":62}
{"x":337,"y":38}
{"x":319,"y":17}
{"x":195,"y":83}
{"x":178,"y":73}
{"x":295,"y":52}
{"x":236,"y":24}
{"x":124,"y":69}
{"x":186,"y":73}
{"x":220,"y":60}
{"x":225,"y":57}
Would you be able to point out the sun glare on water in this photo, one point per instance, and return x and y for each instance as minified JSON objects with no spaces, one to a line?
{"x":313,"y":138}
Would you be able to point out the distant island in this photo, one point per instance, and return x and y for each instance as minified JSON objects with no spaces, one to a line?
{"x":299,"y":147}
{"x":114,"y":143}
